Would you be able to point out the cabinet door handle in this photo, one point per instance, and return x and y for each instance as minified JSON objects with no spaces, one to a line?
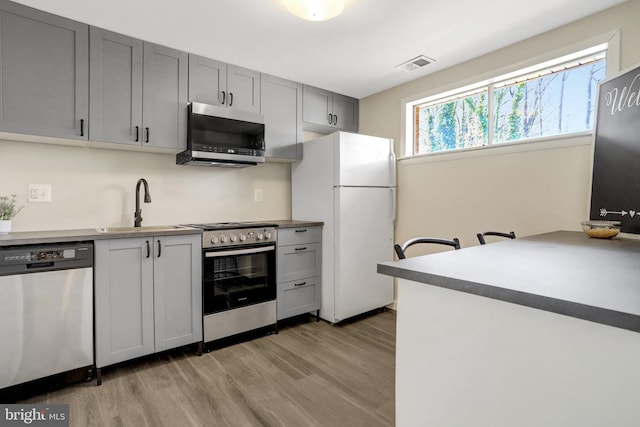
{"x":335,"y":119}
{"x":302,"y":230}
{"x":137,"y":133}
{"x":300,"y":284}
{"x":224,"y":97}
{"x":159,"y":248}
{"x":230,"y":99}
{"x":330,"y":118}
{"x":81,"y":127}
{"x":301,"y":249}
{"x":148,"y":249}
{"x":148,"y":134}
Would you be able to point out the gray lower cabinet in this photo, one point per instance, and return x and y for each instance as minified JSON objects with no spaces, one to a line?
{"x":281,"y":102}
{"x":299,"y":271}
{"x":326,"y":112}
{"x":215,"y":82}
{"x":148,"y":296}
{"x":44,"y":74}
{"x":138,"y":92}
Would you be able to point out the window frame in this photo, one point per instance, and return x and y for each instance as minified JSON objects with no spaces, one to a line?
{"x":609,"y":43}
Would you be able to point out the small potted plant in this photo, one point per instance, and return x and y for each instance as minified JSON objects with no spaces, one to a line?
{"x":8,"y":209}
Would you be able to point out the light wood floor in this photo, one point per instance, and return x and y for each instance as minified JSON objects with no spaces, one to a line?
{"x":310,"y":374}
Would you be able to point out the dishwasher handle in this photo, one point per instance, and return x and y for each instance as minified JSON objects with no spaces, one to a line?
{"x":40,"y":265}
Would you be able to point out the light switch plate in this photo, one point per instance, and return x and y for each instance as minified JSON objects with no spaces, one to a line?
{"x":39,"y":193}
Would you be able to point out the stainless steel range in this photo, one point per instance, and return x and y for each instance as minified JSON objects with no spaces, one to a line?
{"x":239,"y":278}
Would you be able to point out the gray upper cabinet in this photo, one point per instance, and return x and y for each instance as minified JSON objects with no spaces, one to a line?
{"x":217,"y":83}
{"x":207,"y":80}
{"x":44,"y":73}
{"x":63,"y":79}
{"x":165,"y":86}
{"x":282,"y":110}
{"x":345,"y":112}
{"x":116,"y":87}
{"x":138,"y":92}
{"x":325,"y":111}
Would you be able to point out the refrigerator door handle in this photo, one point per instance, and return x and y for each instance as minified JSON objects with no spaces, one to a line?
{"x":392,"y":159}
{"x":393,"y":204}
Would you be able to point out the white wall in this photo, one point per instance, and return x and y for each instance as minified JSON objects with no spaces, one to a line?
{"x":93,"y":187}
{"x":467,"y":360}
{"x":505,"y":189}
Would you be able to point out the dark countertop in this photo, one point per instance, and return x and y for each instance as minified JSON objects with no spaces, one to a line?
{"x":564,"y":272}
{"x":61,"y":236}
{"x":56,"y":236}
{"x":293,"y":223}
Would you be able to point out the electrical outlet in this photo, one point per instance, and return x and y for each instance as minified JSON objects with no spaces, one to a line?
{"x":258,"y":195}
{"x":39,"y":193}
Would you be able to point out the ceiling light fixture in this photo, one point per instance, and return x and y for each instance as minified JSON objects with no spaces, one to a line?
{"x":315,"y":10}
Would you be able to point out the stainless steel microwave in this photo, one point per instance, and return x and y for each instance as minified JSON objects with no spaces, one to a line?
{"x":218,"y":136}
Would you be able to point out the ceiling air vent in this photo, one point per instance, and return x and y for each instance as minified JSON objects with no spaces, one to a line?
{"x":415,"y":63}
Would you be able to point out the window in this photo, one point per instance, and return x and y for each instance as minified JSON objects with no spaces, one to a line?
{"x":449,"y":124}
{"x":550,"y":99}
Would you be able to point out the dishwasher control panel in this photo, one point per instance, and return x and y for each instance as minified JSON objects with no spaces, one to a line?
{"x":40,"y":255}
{"x":21,"y":259}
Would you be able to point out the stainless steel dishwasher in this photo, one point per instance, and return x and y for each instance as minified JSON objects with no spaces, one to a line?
{"x":46,"y":310}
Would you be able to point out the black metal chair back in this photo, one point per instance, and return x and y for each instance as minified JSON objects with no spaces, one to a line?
{"x":481,"y":236}
{"x":400,"y":249}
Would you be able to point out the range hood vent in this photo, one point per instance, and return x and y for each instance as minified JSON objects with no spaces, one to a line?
{"x":199,"y":158}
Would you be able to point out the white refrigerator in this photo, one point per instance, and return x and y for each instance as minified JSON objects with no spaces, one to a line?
{"x":348,"y":181}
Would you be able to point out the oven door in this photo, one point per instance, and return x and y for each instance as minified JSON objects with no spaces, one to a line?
{"x":237,"y":277}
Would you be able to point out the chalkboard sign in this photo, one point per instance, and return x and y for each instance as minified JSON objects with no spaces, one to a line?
{"x":615,"y":191}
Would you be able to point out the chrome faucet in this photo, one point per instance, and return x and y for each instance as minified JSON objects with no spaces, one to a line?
{"x":147,"y":199}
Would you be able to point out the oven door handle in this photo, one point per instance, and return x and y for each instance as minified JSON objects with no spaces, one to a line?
{"x":239,"y":252}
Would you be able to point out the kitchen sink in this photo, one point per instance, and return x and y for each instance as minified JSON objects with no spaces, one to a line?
{"x":145,"y":229}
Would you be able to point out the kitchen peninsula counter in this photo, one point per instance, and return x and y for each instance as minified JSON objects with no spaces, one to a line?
{"x":565,"y":272}
{"x":541,"y":330}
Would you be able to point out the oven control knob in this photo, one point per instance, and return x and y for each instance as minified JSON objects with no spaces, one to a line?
{"x":223,"y":239}
{"x":267,"y":235}
{"x":260,"y":236}
{"x":243,"y":237}
{"x":214,"y":239}
{"x":233,"y":238}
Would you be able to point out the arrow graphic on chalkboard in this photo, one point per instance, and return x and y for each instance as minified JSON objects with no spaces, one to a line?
{"x":604,"y":212}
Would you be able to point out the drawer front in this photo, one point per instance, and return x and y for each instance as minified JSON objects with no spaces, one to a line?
{"x":299,"y":261}
{"x":298,"y":297}
{"x":295,"y":236}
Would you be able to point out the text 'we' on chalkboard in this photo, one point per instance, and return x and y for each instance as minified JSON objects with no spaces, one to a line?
{"x":615,"y":191}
